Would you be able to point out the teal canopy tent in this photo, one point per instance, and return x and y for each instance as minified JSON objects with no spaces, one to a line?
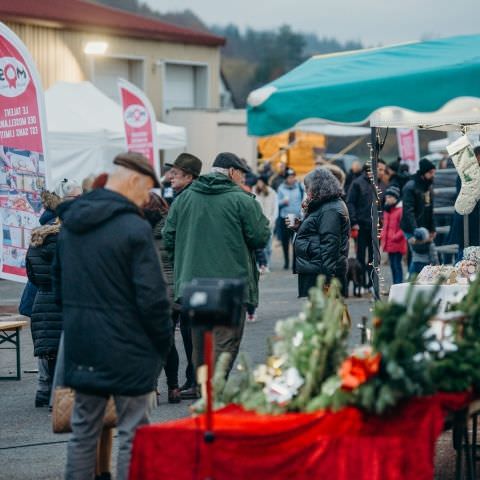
{"x":433,"y":84}
{"x":355,"y":87}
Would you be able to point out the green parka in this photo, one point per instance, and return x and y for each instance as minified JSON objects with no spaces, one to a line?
{"x":212,"y":230}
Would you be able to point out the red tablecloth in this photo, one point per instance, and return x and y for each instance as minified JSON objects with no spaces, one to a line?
{"x":340,"y":446}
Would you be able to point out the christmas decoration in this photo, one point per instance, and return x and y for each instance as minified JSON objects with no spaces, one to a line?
{"x":306,"y":350}
{"x":414,"y":352}
{"x":472,"y":254}
{"x":468,"y":169}
{"x":358,"y":368}
{"x":433,"y":274}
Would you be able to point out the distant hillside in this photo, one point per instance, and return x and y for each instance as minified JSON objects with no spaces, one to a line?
{"x":253,"y":57}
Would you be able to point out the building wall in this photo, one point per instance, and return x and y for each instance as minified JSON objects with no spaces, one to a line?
{"x":59,"y":56}
{"x":210,"y":132}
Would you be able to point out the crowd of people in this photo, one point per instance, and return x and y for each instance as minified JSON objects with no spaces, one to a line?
{"x":107,"y":267}
{"x":406,"y":216}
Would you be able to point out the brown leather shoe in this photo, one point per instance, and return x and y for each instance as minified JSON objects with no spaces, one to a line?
{"x":174,"y":395}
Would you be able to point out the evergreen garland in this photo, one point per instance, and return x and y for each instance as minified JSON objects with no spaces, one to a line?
{"x":410,"y":355}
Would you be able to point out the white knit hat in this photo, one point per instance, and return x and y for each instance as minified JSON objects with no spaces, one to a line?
{"x":68,"y":188}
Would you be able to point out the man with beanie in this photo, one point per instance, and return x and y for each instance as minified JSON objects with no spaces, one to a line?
{"x":417,"y":197}
{"x":211,"y":230}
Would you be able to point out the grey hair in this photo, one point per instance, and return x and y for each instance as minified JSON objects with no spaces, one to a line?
{"x":223,"y":171}
{"x":322,"y":185}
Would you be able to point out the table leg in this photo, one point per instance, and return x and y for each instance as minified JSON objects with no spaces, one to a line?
{"x":474,"y":444}
{"x":14,"y":338}
{"x":19,"y":371}
{"x":468,"y":453}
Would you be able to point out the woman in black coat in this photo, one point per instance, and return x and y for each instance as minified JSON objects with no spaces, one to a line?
{"x":321,"y":243}
{"x":46,"y":318}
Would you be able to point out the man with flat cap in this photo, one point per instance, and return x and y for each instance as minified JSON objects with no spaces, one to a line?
{"x":116,"y":314}
{"x":211,"y":230}
{"x":184,"y":171}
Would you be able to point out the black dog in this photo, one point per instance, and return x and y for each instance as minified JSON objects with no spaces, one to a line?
{"x":354,"y":274}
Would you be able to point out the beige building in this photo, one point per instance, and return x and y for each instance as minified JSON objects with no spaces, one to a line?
{"x":77,"y":40}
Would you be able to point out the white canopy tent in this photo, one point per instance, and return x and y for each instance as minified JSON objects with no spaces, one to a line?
{"x":85,"y":131}
{"x":331,"y":130}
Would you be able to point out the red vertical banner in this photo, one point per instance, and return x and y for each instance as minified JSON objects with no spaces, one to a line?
{"x":408,"y":148}
{"x":22,"y":153}
{"x":139,"y":122}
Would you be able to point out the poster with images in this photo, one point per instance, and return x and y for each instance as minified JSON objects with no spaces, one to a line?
{"x":22,"y":153}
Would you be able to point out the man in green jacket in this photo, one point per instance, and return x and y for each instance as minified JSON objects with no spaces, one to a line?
{"x":210,"y":231}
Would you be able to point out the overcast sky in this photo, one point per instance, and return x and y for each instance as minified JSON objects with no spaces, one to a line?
{"x":371,"y":21}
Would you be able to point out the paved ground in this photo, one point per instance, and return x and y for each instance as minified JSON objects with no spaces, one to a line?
{"x":28,"y":448}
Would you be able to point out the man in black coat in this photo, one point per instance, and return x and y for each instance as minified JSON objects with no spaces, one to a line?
{"x":417,"y":198}
{"x":361,"y":197}
{"x":116,"y":313}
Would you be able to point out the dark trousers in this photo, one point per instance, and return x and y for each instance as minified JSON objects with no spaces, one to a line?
{"x":286,"y":236}
{"x":186,"y":331}
{"x":225,"y":339}
{"x":171,"y":365}
{"x":396,"y":267}
{"x":364,"y":246}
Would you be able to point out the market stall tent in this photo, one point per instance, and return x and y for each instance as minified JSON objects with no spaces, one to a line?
{"x":85,"y":131}
{"x":433,"y":84}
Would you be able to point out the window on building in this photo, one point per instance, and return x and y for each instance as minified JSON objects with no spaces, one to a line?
{"x":186,"y":86}
{"x":107,"y":70}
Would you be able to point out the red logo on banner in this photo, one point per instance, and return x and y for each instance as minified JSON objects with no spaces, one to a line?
{"x":136,"y":116}
{"x":14,"y":77}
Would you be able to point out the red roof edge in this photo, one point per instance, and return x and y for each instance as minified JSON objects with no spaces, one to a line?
{"x":89,"y":16}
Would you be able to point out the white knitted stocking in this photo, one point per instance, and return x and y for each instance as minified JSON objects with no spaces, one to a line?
{"x":468,"y":169}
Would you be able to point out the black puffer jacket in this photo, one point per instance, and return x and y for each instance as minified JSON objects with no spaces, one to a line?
{"x":46,"y":317}
{"x":321,"y":244}
{"x":361,"y":196}
{"x":417,"y":197}
{"x":116,"y":312}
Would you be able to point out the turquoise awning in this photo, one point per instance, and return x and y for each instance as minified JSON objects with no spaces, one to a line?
{"x":349,"y":87}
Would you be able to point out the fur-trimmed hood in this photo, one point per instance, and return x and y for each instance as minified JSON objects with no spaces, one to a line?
{"x":41,"y":233}
{"x":50,"y":200}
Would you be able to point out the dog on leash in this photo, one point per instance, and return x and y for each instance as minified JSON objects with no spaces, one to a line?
{"x":354,"y":274}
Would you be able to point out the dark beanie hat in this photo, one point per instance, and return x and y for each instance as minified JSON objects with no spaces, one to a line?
{"x":425,"y":166}
{"x":393,"y":191}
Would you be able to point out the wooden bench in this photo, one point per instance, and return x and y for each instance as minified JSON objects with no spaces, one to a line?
{"x":10,"y":327}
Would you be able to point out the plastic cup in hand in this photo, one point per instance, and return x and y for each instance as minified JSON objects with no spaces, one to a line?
{"x":291,"y":219}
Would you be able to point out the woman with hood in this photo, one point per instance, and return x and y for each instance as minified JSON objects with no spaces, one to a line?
{"x":321,"y":243}
{"x":46,"y":316}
